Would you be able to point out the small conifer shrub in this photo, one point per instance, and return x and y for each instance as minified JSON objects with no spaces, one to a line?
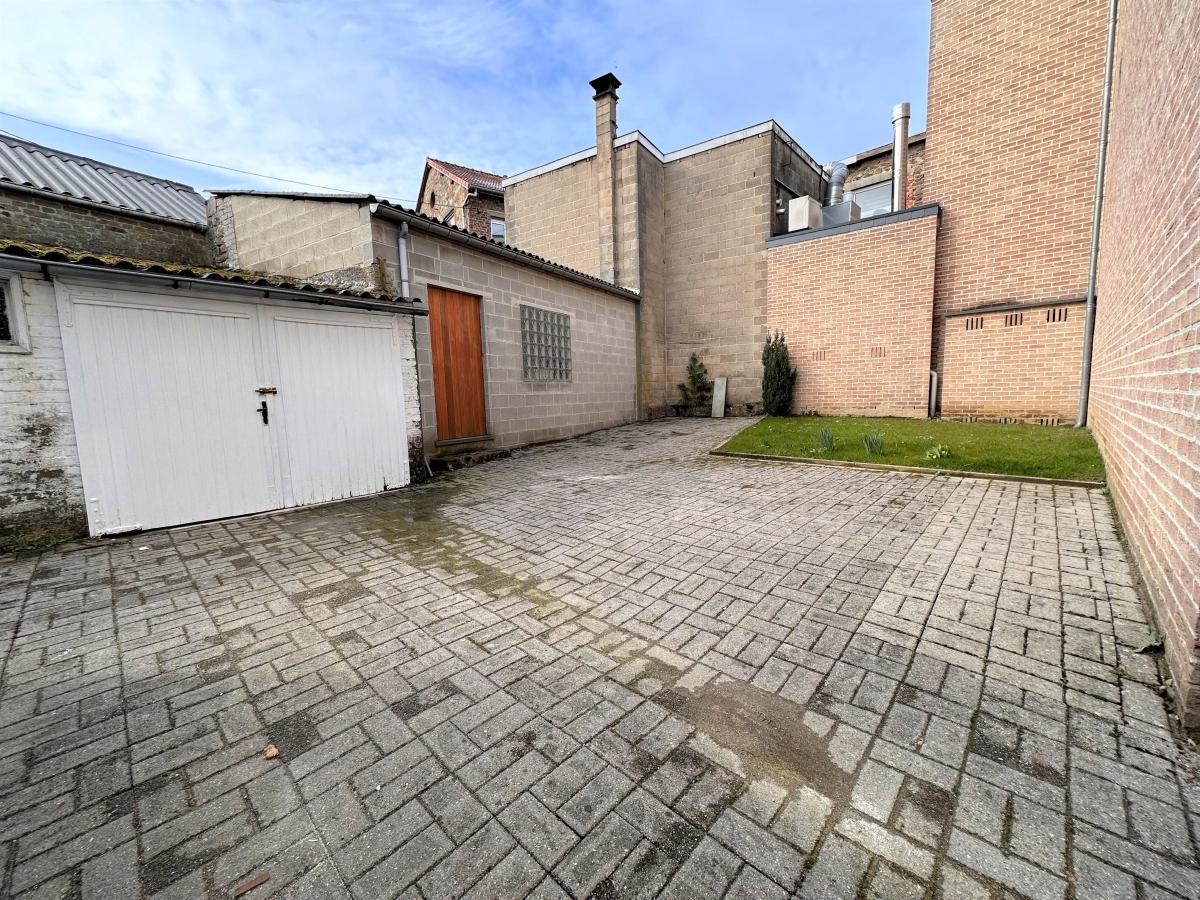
{"x":697,"y":391}
{"x":779,"y":376}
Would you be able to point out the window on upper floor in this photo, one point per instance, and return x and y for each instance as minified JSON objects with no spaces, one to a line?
{"x":872,"y":200}
{"x":497,"y":229}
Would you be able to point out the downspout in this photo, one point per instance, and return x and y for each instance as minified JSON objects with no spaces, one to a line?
{"x":1089,"y":318}
{"x":402,"y":244}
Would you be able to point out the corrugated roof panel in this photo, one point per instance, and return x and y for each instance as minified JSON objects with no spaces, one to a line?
{"x":31,"y":165}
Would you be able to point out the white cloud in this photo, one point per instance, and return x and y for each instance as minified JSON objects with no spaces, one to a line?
{"x":355,"y":96}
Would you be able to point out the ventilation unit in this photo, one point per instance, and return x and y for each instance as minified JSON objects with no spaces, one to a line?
{"x":804,"y":212}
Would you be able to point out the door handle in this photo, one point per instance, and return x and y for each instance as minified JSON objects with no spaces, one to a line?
{"x":262,"y":411}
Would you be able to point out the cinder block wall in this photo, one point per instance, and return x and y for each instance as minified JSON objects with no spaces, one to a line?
{"x":555,"y":216}
{"x":41,"y":219}
{"x":39,"y":461}
{"x":855,"y":309}
{"x":301,"y":238}
{"x":1145,"y":391}
{"x":1022,"y":364}
{"x":603,"y":342}
{"x":718,"y":217}
{"x":1010,"y":153}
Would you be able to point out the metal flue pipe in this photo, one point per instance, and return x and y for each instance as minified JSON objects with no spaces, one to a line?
{"x":900,"y":116}
{"x":837,"y":181}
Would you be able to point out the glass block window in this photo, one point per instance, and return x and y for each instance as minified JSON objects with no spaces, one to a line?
{"x":545,"y":344}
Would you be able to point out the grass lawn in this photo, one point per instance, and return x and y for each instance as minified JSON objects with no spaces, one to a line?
{"x":1032,"y":450}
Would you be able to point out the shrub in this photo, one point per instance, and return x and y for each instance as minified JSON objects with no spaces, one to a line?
{"x":779,"y":376}
{"x":697,"y":391}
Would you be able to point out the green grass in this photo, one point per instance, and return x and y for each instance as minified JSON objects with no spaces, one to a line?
{"x":1030,"y":450}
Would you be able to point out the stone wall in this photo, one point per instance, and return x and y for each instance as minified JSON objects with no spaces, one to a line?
{"x":41,"y":489}
{"x":1145,"y":388}
{"x":41,"y":218}
{"x":877,"y":167}
{"x":857,"y":330}
{"x":602,"y":391}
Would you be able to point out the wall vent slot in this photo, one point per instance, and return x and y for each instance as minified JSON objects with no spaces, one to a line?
{"x":1057,"y":314}
{"x":1049,"y":420}
{"x":819,"y":355}
{"x":1012,"y":319}
{"x":974,"y":323}
{"x":878,"y":352}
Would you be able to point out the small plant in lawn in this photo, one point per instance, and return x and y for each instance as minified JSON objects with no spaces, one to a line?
{"x":828,"y":441}
{"x":779,"y":376}
{"x":697,"y":391}
{"x":937,"y":451}
{"x":872,"y":442}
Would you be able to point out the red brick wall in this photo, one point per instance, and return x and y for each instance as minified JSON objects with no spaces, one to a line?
{"x":855,"y":309}
{"x":1010,"y":151}
{"x":1014,"y":364}
{"x":1145,"y":393}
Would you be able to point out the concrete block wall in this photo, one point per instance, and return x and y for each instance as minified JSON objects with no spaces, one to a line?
{"x":554,"y":216}
{"x":718,"y":217}
{"x":301,"y":238}
{"x":654,"y":393}
{"x":1019,"y":364}
{"x":1145,"y":388}
{"x":41,"y":489}
{"x":1010,"y":151}
{"x":602,"y":392}
{"x":40,"y":218}
{"x":858,"y":334}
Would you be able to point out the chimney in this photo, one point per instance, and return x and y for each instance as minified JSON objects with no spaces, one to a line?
{"x":606,"y":171}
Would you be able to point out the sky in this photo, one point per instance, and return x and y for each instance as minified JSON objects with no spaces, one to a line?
{"x":353,"y":96}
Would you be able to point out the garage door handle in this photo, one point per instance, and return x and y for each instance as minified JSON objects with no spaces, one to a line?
{"x":262,"y":411}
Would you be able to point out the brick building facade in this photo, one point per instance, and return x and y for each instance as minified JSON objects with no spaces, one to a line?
{"x":1145,"y":386}
{"x":466,"y":198}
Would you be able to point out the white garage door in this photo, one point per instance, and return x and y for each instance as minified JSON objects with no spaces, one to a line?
{"x":193,"y":409}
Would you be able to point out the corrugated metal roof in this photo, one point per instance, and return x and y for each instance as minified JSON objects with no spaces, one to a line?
{"x":31,"y":165}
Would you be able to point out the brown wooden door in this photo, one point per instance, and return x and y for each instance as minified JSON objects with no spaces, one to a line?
{"x":457,"y":364}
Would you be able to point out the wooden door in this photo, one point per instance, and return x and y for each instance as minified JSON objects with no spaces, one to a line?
{"x":457,"y":342}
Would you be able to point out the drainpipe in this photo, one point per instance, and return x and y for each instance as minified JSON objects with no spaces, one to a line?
{"x":1089,"y":318}
{"x":900,"y":116}
{"x":402,"y":243}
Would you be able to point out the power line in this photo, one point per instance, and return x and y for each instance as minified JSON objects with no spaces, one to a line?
{"x":197,"y":162}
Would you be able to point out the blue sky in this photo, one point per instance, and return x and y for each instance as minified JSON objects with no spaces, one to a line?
{"x":355,"y":98}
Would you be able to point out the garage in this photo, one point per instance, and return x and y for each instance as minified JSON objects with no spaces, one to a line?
{"x":189,"y":406}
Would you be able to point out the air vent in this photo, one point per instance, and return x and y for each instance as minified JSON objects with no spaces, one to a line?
{"x":974,"y":323}
{"x":1057,"y":314}
{"x":1012,"y":319}
{"x":818,"y":355}
{"x":1049,"y":420}
{"x":878,"y":352}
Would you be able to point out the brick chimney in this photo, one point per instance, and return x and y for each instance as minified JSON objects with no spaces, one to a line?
{"x":606,"y":171}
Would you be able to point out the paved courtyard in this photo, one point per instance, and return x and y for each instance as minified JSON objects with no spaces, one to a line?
{"x":612,"y":667}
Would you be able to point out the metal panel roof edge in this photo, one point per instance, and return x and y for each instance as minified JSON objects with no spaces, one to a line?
{"x":99,"y":164}
{"x":894,"y":218}
{"x":107,"y":207}
{"x":22,"y":251}
{"x":434,"y":226}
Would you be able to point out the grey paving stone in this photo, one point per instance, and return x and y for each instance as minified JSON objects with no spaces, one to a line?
{"x":837,"y":873}
{"x":538,"y":830}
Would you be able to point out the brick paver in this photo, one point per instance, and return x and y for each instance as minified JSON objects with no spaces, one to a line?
{"x":611,"y":667}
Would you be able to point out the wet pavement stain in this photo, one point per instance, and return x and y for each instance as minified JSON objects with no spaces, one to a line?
{"x":766,"y":732}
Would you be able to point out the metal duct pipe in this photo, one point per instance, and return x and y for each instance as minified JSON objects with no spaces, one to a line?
{"x":900,"y":116}
{"x":837,"y":180}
